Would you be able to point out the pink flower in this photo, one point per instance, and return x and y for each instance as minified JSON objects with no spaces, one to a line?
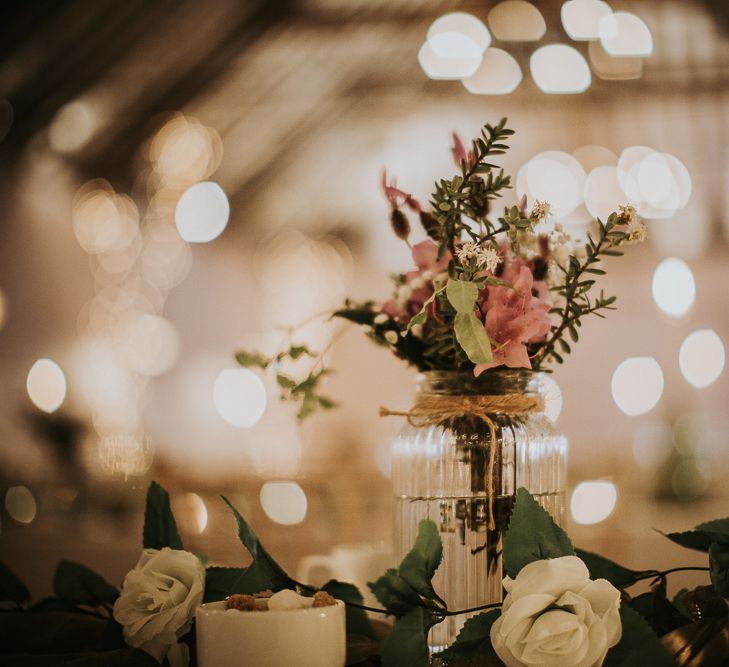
{"x":397,"y":197}
{"x":459,"y":153}
{"x":515,"y":317}
{"x":418,"y":286}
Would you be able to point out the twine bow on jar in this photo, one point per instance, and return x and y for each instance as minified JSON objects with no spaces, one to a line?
{"x":434,"y":410}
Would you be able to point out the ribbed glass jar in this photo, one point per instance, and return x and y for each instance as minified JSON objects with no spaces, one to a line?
{"x":440,"y":472}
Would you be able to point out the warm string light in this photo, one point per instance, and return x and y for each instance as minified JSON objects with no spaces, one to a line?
{"x":458,"y":46}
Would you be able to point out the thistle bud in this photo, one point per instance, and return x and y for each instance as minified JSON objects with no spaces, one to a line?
{"x":400,"y":224}
{"x":430,"y":225}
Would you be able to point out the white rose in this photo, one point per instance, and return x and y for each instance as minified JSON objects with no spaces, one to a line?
{"x":554,"y":615}
{"x":158,"y":601}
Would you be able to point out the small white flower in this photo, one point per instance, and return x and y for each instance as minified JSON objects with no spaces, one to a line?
{"x":427,"y":276}
{"x":467,"y":252}
{"x":417,"y":330}
{"x":417,"y":283}
{"x":554,"y":614}
{"x":381,"y":319}
{"x":540,"y":210}
{"x":391,"y":337}
{"x":628,"y":213}
{"x":580,"y":253}
{"x":158,"y":601}
{"x":486,"y":257}
{"x":489,"y":259}
{"x":636,"y":230}
{"x":404,"y":292}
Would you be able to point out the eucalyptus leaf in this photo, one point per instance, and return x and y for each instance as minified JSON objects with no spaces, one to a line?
{"x":639,"y":646}
{"x":474,"y":640}
{"x":617,"y":575}
{"x":532,"y":535}
{"x":472,"y":337}
{"x":264,"y":572}
{"x":407,"y":644}
{"x":11,"y":588}
{"x":357,"y":621}
{"x":160,"y":529}
{"x":462,"y":295}
{"x":76,"y":584}
{"x":719,"y":568}
{"x":419,"y":565}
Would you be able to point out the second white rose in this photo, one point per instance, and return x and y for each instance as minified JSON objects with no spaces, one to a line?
{"x":554,"y":615}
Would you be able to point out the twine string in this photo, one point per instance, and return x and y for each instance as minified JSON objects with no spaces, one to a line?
{"x":434,"y":410}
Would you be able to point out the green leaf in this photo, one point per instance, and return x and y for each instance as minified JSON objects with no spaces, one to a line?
{"x":419,"y":565}
{"x":393,"y":593}
{"x":699,"y":539}
{"x":264,"y":572}
{"x":474,"y":639}
{"x":220,"y":582}
{"x":639,"y":646}
{"x":532,"y":535}
{"x":357,"y":621}
{"x":462,"y":295}
{"x":76,"y":584}
{"x":255,"y":359}
{"x":365,"y":316}
{"x":617,"y":575}
{"x":422,"y":315}
{"x":719,"y":568}
{"x":716,"y":527}
{"x":11,"y":588}
{"x":297,"y":351}
{"x":407,"y":644}
{"x":160,"y":529}
{"x":285,"y":382}
{"x":472,"y":337}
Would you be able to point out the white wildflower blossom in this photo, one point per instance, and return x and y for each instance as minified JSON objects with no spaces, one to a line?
{"x":417,"y":330}
{"x":628,"y":214}
{"x":636,"y":230}
{"x":391,"y":337}
{"x":580,"y":253}
{"x":427,"y":276}
{"x":467,"y":252}
{"x":417,"y":283}
{"x":489,"y":259}
{"x":486,"y":258}
{"x":381,"y":318}
{"x":540,"y":210}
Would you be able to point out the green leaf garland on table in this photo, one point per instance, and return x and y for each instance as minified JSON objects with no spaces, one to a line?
{"x":407,"y":592}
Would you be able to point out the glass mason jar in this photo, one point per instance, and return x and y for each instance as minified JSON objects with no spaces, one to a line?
{"x":441,"y":472}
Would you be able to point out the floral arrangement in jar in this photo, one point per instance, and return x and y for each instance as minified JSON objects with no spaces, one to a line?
{"x":486,"y":292}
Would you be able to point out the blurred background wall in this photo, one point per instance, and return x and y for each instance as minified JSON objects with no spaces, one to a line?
{"x":111,"y":111}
